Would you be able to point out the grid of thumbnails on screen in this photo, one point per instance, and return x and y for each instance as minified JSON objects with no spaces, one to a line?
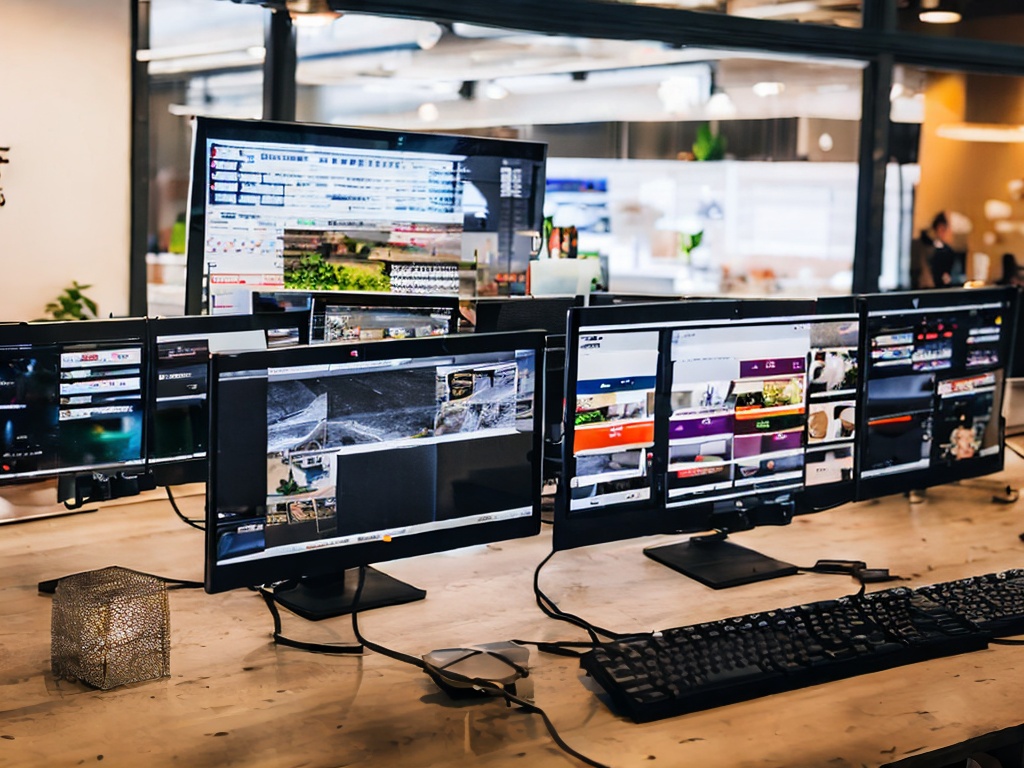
{"x":674,"y":411}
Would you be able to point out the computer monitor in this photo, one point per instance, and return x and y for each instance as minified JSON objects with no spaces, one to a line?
{"x":177,"y":408}
{"x":298,"y":205}
{"x":365,"y":316}
{"x":933,"y":373}
{"x":551,"y":314}
{"x":72,"y":396}
{"x":685,"y":417}
{"x":368,"y":452}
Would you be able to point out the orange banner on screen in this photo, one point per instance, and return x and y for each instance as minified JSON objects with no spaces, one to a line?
{"x":614,"y":434}
{"x":889,"y":420}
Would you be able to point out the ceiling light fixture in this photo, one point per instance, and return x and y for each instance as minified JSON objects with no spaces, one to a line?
{"x":938,"y":12}
{"x":768,"y":88}
{"x":311,"y":13}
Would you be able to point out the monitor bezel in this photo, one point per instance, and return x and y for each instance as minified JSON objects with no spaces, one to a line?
{"x":231,"y":129}
{"x":934,"y":474}
{"x":92,"y":331}
{"x":172,"y":471}
{"x":330,"y":562}
{"x":362,"y":300}
{"x":616,"y":522}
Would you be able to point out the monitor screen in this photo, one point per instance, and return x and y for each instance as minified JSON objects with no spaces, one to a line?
{"x":678,"y":415}
{"x":72,"y":397}
{"x":179,"y":352}
{"x":286,"y":205}
{"x":370,"y":452}
{"x":352,"y":316}
{"x":934,"y":365}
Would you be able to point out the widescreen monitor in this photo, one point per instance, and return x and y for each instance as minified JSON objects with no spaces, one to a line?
{"x":72,"y":398}
{"x":179,"y":349}
{"x":329,"y":457}
{"x":691,"y":416}
{"x":933,"y":376}
{"x":289,"y":205}
{"x":365,"y":316}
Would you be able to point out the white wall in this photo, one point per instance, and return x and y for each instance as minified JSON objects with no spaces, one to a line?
{"x":65,"y":94}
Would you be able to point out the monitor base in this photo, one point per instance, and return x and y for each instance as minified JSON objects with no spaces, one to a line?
{"x":317,"y":599}
{"x":718,"y":563}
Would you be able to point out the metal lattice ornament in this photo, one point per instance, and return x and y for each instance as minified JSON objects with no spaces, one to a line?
{"x":110,"y":627}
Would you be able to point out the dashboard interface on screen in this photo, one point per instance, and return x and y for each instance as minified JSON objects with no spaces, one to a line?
{"x":278,"y":205}
{"x":933,"y":391}
{"x":71,"y":397}
{"x":370,"y":452}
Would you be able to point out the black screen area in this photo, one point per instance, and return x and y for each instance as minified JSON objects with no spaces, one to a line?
{"x":934,"y":366}
{"x":369,"y":452}
{"x":179,"y":349}
{"x":71,"y":397}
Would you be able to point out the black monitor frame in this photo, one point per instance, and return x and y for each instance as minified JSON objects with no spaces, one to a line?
{"x":317,"y":302}
{"x":652,"y":515}
{"x":487,"y":151}
{"x":50,"y":337}
{"x":923,"y":403}
{"x":233,"y":397}
{"x":191,"y":466}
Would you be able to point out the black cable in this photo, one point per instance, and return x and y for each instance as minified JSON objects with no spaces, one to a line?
{"x":475,"y":682}
{"x":301,"y":645}
{"x":551,"y":610}
{"x":1005,"y":641}
{"x":174,"y":506}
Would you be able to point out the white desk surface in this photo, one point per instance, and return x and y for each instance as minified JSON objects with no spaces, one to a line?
{"x":234,"y":699}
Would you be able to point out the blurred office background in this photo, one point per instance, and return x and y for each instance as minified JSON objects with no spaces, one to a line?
{"x":837,"y":128}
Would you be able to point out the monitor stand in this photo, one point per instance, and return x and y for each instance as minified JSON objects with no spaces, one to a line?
{"x":323,"y":598}
{"x":718,"y":563}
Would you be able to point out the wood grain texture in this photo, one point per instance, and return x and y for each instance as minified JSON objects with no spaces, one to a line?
{"x":234,"y":699}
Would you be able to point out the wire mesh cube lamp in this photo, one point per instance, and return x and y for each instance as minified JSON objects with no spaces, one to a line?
{"x":110,"y":627}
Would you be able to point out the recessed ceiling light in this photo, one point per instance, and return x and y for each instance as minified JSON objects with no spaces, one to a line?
{"x":939,"y":17}
{"x":428,"y":112}
{"x":769,"y":88}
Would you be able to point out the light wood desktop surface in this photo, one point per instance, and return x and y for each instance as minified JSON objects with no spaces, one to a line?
{"x":234,"y":699}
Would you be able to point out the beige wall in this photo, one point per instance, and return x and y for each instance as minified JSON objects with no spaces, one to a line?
{"x":65,"y":113}
{"x":960,"y":175}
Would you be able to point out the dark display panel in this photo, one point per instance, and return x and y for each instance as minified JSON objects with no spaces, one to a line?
{"x":179,"y":349}
{"x":353,"y":316}
{"x":287,"y":205}
{"x":370,"y":452}
{"x":72,"y":397}
{"x":934,"y":365}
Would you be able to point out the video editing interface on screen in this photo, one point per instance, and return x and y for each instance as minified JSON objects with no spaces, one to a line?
{"x":371,"y":452}
{"x":358,"y":198}
{"x":72,"y":397}
{"x":349,"y":316}
{"x":934,"y":381}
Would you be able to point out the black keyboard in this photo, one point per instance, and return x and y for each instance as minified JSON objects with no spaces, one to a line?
{"x":701,"y":666}
{"x":994,"y":601}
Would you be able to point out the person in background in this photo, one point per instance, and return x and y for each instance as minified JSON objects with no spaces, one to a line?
{"x":1011,"y":271}
{"x":946,"y":264}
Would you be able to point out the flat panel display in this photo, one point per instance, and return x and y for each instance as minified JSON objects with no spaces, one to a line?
{"x":934,"y":366}
{"x":72,"y":397}
{"x":287,"y":205}
{"x":328,"y":457}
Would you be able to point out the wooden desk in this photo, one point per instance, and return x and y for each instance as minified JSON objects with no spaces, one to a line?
{"x":233,"y":698}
